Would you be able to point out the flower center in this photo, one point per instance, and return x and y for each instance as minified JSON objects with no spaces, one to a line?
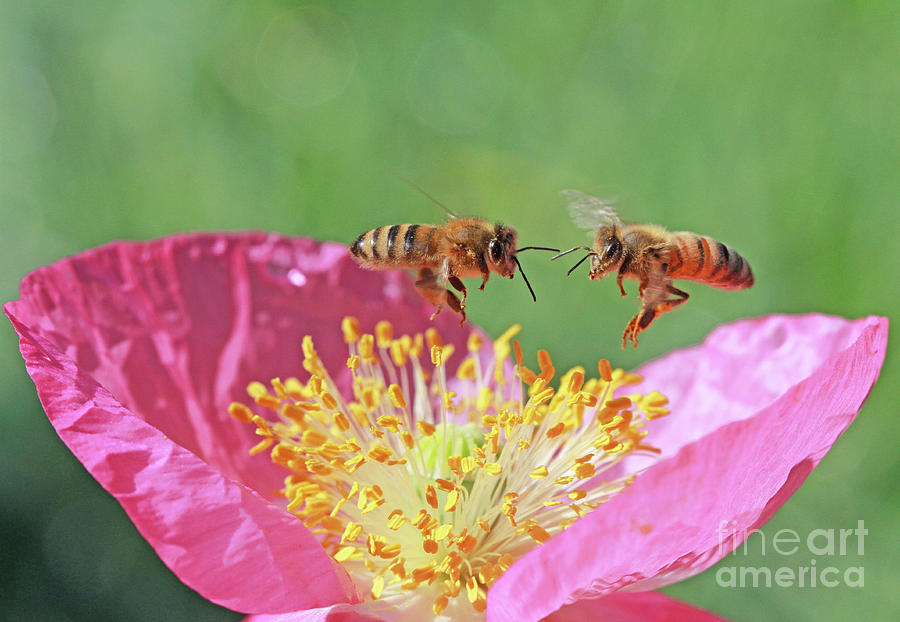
{"x":414,"y":486}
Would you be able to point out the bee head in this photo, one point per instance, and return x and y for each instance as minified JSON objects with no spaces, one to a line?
{"x":501,"y":251}
{"x":608,"y":251}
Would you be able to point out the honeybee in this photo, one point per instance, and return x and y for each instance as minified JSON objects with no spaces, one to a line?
{"x":444,"y":254}
{"x":654,"y":257}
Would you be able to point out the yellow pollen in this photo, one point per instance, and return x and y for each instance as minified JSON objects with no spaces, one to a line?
{"x":466,"y":370}
{"x":538,"y":533}
{"x":415,"y":487}
{"x":240,"y":412}
{"x":539,"y":472}
{"x":399,"y":350}
{"x":390,"y":422}
{"x":493,"y":468}
{"x":378,"y":587}
{"x":528,"y":376}
{"x":396,"y":395}
{"x":605,"y":370}
{"x":350,"y":327}
{"x":619,"y":403}
{"x":440,"y":603}
{"x":474,"y":343}
{"x":367,"y":348}
{"x":448,"y":399}
{"x":309,"y":351}
{"x":556,"y":430}
{"x":518,"y":352}
{"x":431,"y":496}
{"x":452,"y":500}
{"x":384,"y":334}
{"x":340,"y":420}
{"x":576,"y":381}
{"x":546,"y":365}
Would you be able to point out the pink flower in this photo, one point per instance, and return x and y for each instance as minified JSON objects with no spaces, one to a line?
{"x":137,"y":351}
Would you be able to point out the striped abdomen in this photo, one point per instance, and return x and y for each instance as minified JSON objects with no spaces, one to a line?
{"x":695,"y":257}
{"x":392,"y":245}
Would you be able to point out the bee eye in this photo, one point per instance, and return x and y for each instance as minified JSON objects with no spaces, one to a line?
{"x":496,"y":251}
{"x":612,"y":248}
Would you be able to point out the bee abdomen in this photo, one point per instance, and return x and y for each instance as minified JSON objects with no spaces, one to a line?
{"x":393,"y":244}
{"x":701,"y":258}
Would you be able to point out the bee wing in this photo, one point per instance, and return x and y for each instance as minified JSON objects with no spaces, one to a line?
{"x":589,"y":212}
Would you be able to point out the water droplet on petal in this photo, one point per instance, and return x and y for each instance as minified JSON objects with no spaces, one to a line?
{"x":296,"y":277}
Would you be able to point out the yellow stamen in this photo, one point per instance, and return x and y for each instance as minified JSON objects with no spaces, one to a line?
{"x":367,"y":348}
{"x":350,"y":327}
{"x":384,"y":334}
{"x":539,"y":472}
{"x":240,"y":412}
{"x":396,"y":395}
{"x":398,"y":487}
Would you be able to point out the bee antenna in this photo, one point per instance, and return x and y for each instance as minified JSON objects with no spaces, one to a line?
{"x":536,"y":248}
{"x":428,"y":196}
{"x":572,"y":250}
{"x":522,"y":272}
{"x":580,"y":261}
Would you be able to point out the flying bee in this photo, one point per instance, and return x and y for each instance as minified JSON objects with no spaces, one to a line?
{"x":654,"y":257}
{"x":444,"y":254}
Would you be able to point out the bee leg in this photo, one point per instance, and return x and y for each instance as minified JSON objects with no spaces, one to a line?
{"x":430,"y":290}
{"x":454,"y":303}
{"x":619,"y":283}
{"x":668,"y":305}
{"x":427,"y":284}
{"x":642,"y":285}
{"x":485,"y":273}
{"x":648,"y":313}
{"x":459,"y":286}
{"x":631,"y":331}
{"x":638,"y":323}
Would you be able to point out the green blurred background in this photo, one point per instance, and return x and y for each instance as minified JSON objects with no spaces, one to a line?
{"x":771,"y":125}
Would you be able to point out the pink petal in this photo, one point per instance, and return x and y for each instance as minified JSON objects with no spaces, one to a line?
{"x":137,"y":350}
{"x":335,"y":613}
{"x":700,"y":380}
{"x":632,"y":607}
{"x":685,"y":512}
